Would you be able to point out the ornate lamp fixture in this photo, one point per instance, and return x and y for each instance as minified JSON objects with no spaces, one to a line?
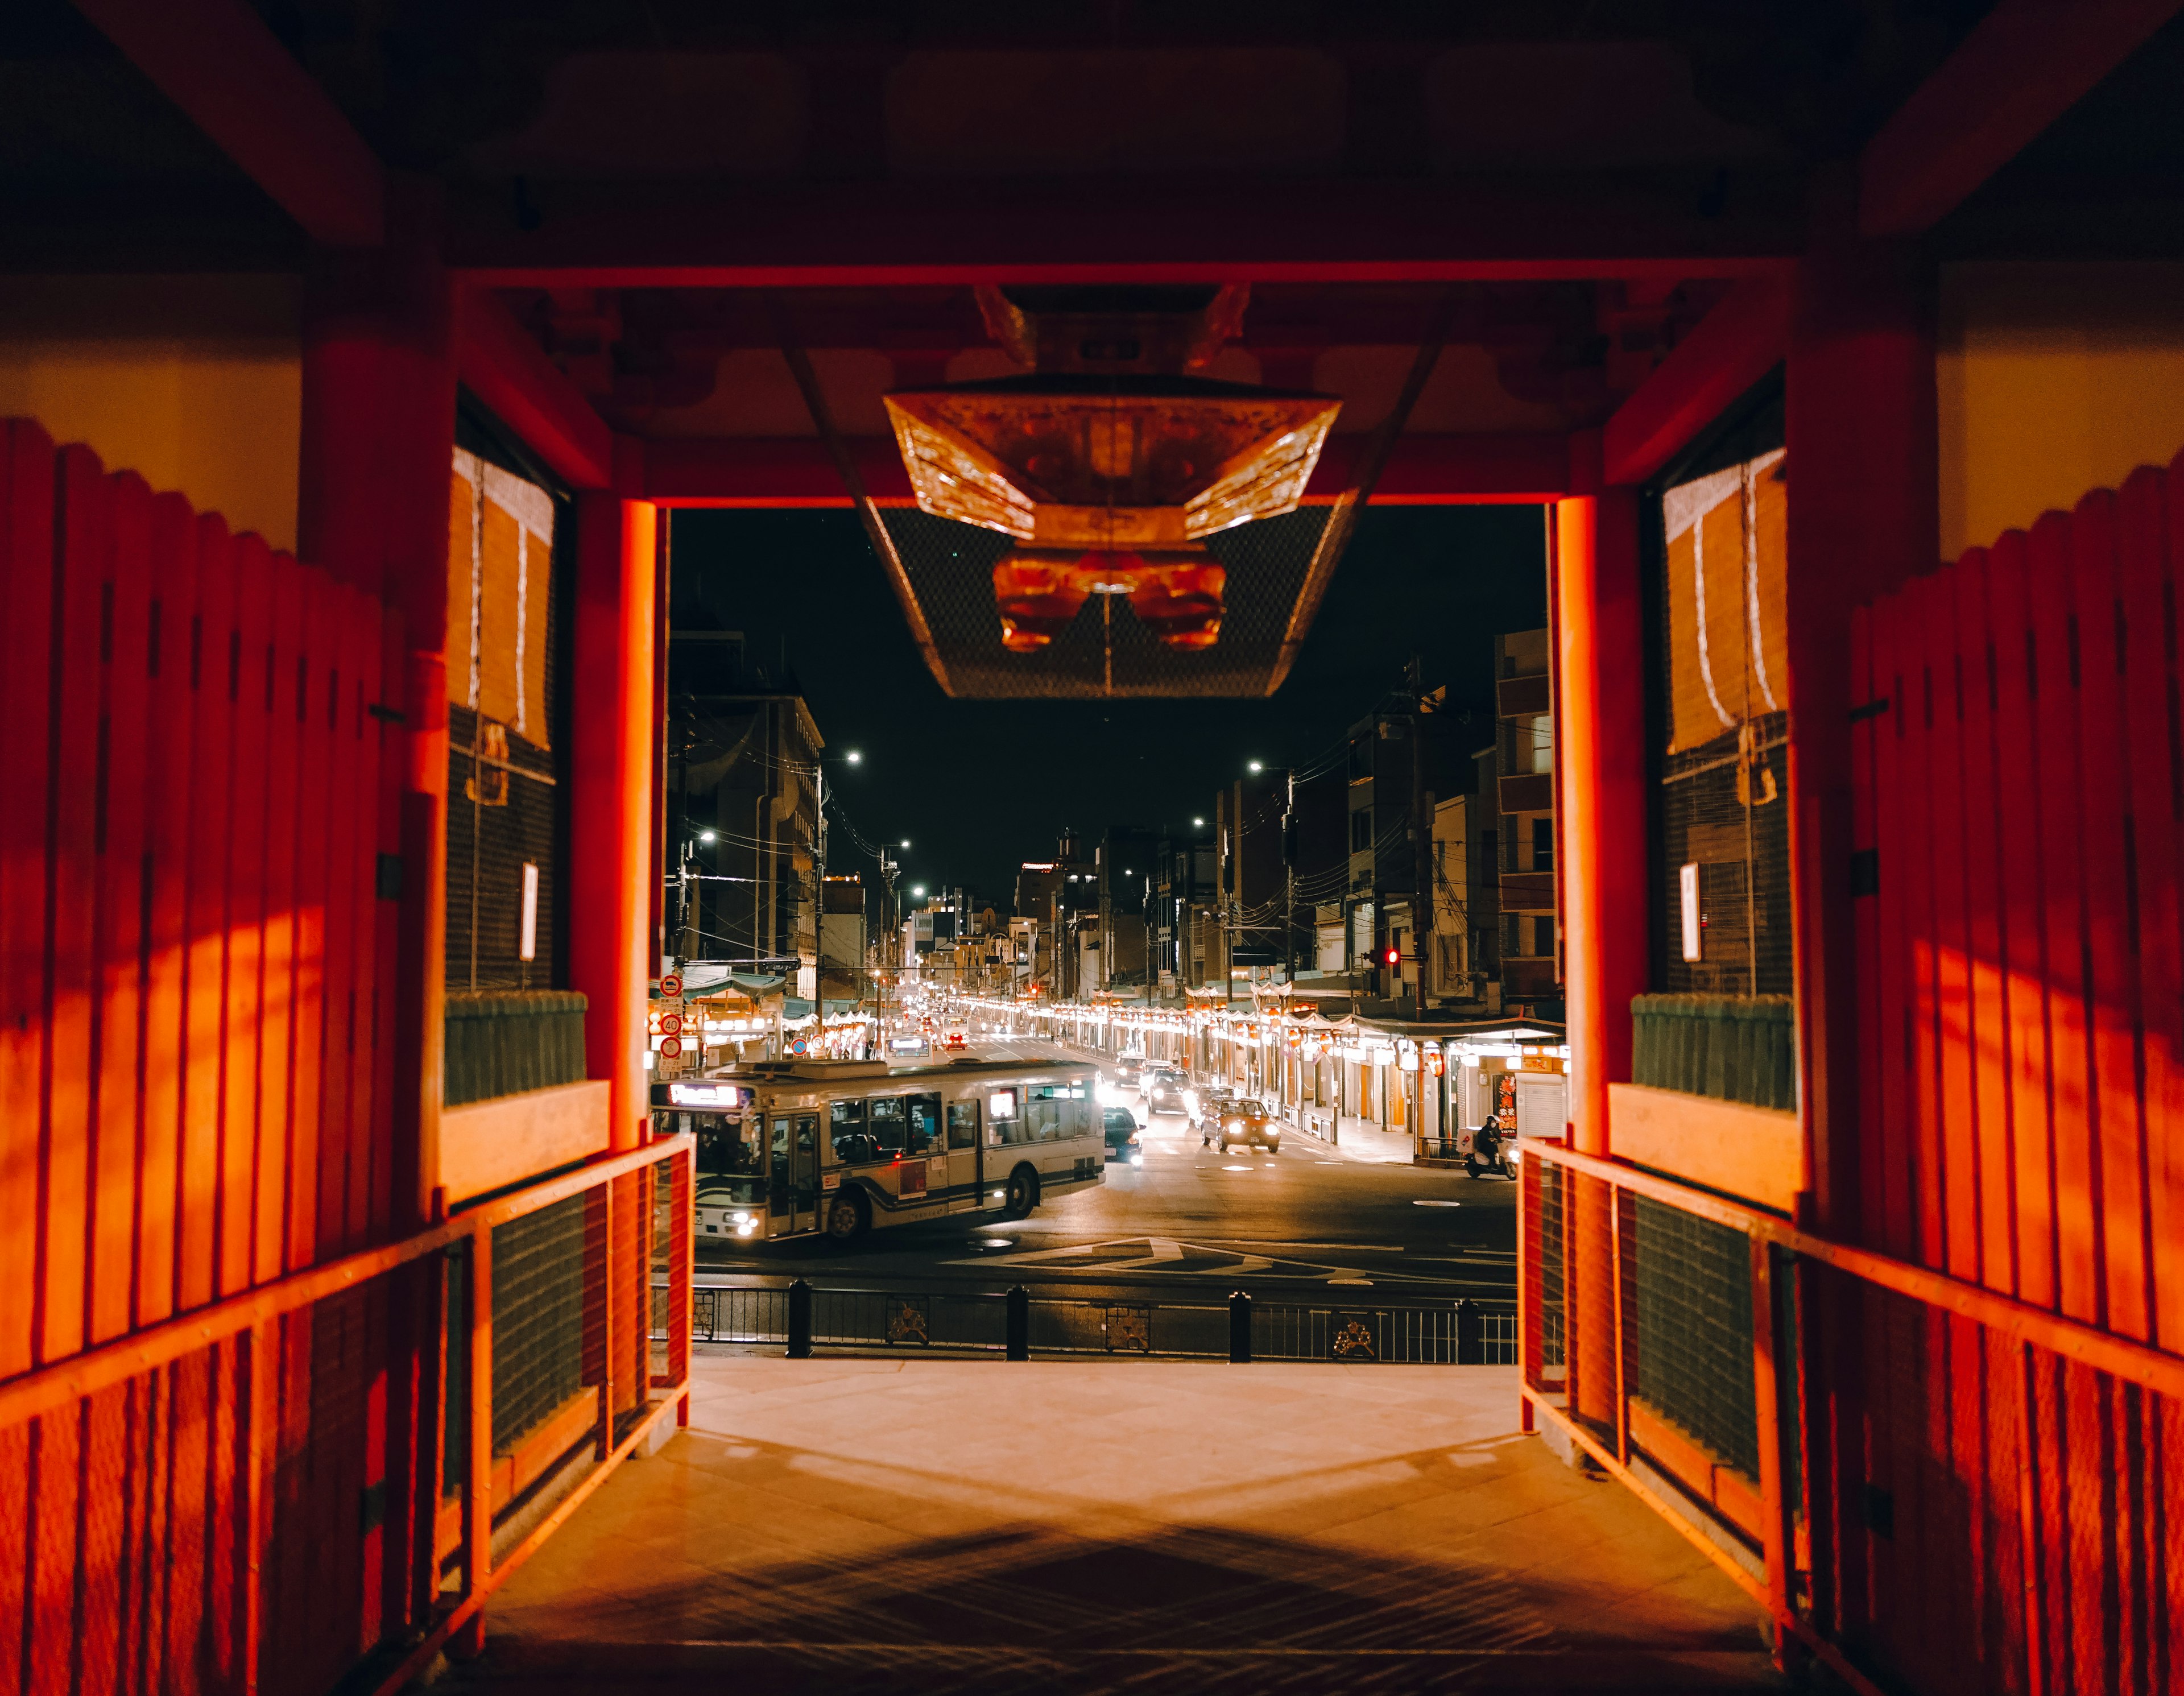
{"x":1109,"y":463}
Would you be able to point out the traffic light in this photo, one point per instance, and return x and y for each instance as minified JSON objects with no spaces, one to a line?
{"x":1392,"y":956}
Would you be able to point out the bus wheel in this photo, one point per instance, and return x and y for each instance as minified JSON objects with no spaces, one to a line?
{"x":1022,"y":1193}
{"x":845,"y":1218}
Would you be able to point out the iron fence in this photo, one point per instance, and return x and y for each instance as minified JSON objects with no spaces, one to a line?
{"x":979,"y":1322}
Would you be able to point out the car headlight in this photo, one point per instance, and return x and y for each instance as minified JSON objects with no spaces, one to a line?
{"x":740,"y":1219}
{"x":1137,"y":1160}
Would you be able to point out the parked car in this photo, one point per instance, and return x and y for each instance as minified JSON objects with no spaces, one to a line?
{"x":1248,"y":1124}
{"x":1164,"y":1088}
{"x":1120,"y":1126}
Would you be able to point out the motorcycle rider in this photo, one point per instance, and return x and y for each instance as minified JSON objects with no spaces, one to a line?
{"x":1486,"y":1144}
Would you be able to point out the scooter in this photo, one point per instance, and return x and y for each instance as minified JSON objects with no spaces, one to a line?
{"x":1483,"y":1151}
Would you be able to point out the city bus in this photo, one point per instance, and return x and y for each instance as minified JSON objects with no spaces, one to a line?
{"x":794,"y":1148}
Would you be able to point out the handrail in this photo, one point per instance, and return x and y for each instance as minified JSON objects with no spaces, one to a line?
{"x":2154,"y":1369}
{"x":45,"y":1389}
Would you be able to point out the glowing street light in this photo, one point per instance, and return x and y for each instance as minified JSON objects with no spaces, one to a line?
{"x":704,"y":836}
{"x":854,"y":757}
{"x":1255,"y":767}
{"x":1198,"y":823}
{"x":905,"y":842}
{"x":918,"y":891}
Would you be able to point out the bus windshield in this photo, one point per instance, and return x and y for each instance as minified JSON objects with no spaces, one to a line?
{"x":730,"y":1170}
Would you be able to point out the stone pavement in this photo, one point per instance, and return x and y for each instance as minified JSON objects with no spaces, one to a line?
{"x":852,"y":1526}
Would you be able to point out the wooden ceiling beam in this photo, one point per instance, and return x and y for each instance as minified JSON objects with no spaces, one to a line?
{"x":217,"y":61}
{"x":893,"y":234}
{"x":1735,"y":345}
{"x":500,"y":362}
{"x":2023,"y":66}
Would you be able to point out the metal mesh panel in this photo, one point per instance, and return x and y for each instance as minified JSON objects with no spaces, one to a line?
{"x":1712,"y":814}
{"x":1543,"y":1250}
{"x":1693,"y":1352}
{"x":501,"y":814}
{"x":538,"y":1318}
{"x":1106,"y":650}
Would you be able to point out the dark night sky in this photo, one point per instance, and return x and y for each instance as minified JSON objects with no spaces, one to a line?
{"x":980,"y":786}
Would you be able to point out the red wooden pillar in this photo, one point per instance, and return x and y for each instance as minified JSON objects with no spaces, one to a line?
{"x":378,"y":434}
{"x":1600,"y":765}
{"x":611,"y":776}
{"x":1863,"y":520}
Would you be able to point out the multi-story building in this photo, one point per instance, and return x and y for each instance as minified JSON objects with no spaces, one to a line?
{"x":1398,"y":758}
{"x":743,"y":779}
{"x":1252,"y":886}
{"x":1051,"y":894}
{"x":1124,"y":861}
{"x":1185,"y":878}
{"x":842,"y":937}
{"x":1531,"y":960}
{"x":1466,"y":950}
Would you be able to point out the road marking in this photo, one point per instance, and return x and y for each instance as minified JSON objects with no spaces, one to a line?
{"x":1365,"y":1283}
{"x":1235,"y":1169}
{"x":1436,"y":1204}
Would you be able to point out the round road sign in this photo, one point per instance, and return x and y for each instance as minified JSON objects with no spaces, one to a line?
{"x":671,"y":985}
{"x":671,"y":1024}
{"x":672,"y":1047}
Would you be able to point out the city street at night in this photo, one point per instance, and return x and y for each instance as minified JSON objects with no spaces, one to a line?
{"x":1193,"y":1223}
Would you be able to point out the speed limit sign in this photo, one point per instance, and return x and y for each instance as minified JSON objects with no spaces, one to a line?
{"x":672,"y":1047}
{"x":671,"y":1024}
{"x":671,"y":985}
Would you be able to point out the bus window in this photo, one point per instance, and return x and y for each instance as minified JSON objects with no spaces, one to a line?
{"x":1004,"y":1124}
{"x":852,"y":1143}
{"x":962,"y":1124}
{"x":922,"y":1126}
{"x":1043,"y":1109}
{"x":778,"y":1178}
{"x":887,"y":1126}
{"x":728,"y":1168}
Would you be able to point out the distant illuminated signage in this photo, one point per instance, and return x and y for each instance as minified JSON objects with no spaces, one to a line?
{"x":907,"y":1044}
{"x":706,"y":1095}
{"x":1001,"y":1104}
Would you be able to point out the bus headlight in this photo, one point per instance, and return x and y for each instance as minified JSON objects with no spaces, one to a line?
{"x":740,"y":1219}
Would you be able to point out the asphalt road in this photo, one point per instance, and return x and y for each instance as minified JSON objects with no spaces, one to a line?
{"x":1191,"y":1223}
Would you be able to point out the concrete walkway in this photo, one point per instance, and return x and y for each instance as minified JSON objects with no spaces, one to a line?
{"x":858,"y":1526}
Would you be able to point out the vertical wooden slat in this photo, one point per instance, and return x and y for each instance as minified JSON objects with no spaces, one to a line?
{"x":81,"y":508}
{"x":1894,"y":849}
{"x":2017,"y":745}
{"x":1987,"y":795}
{"x":2118,"y":1228}
{"x":277,"y":1102}
{"x":1951,"y":638}
{"x":210,"y":640}
{"x":1925,"y":653}
{"x":387,"y":928}
{"x":2154,"y":707}
{"x":171,"y":760}
{"x":344,"y":710}
{"x":316,"y":705}
{"x":248,"y":677}
{"x":117,"y":1153}
{"x":26,"y":620}
{"x":2056,"y":641}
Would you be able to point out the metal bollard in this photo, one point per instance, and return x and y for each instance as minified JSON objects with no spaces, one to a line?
{"x":1470,"y":1334}
{"x":1240,"y":1329}
{"x":1019,"y":1311}
{"x":799,"y":1320}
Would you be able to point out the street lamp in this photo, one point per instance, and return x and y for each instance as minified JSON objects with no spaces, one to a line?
{"x":917,"y":891}
{"x":1255,"y":767}
{"x":854,"y":757}
{"x":905,"y":842}
{"x":705,"y":836}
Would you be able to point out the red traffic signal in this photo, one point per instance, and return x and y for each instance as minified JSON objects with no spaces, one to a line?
{"x":1393,"y":957}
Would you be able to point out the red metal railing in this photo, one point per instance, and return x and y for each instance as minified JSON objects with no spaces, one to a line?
{"x":199,"y":1486}
{"x":1775,"y":1520}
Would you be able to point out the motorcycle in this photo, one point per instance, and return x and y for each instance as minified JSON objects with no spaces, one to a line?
{"x":1488,"y":1149}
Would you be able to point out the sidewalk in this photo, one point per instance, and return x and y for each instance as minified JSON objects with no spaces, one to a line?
{"x":1359,"y":1139}
{"x":1095,"y":1526}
